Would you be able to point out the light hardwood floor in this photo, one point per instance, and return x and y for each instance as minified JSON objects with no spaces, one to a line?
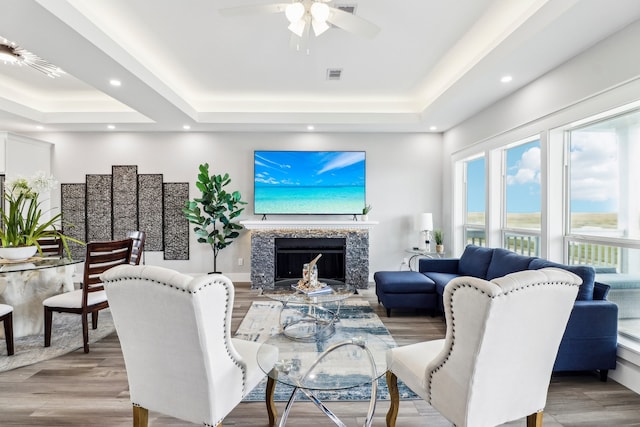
{"x":91,"y":390}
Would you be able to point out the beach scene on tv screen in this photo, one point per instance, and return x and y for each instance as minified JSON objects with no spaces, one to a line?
{"x":309,"y":182}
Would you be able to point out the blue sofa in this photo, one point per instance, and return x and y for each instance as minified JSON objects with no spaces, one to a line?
{"x":591,"y":338}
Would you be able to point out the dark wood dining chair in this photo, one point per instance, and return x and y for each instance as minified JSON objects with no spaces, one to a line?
{"x":50,"y":247}
{"x":137,"y":250}
{"x":6,"y":316}
{"x":91,"y":298}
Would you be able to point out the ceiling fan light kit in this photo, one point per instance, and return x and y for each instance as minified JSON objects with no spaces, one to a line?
{"x":319,"y":11}
{"x":298,"y":27}
{"x":316,"y":14}
{"x":294,"y":12}
{"x":299,"y":14}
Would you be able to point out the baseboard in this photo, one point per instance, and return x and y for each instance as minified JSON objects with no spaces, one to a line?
{"x":627,"y":370}
{"x":239,"y":277}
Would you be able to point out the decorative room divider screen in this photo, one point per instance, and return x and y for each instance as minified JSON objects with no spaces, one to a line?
{"x":105,"y":207}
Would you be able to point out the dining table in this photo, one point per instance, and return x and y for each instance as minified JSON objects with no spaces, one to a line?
{"x":25,"y":284}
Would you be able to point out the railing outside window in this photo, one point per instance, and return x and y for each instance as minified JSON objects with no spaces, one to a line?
{"x":475,"y":236}
{"x":523,"y":243}
{"x":617,"y":264}
{"x":594,"y":254}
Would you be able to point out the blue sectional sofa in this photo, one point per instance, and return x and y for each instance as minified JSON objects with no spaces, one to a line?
{"x":590,"y":339}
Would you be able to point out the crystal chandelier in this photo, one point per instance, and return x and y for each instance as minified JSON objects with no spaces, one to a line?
{"x":12,"y":54}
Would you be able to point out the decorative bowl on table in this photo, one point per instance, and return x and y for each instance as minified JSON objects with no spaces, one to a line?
{"x":19,"y":253}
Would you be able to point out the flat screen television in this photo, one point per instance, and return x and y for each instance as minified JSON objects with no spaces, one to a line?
{"x":309,"y":182}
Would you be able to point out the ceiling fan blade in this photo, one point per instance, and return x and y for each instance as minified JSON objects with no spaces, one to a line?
{"x":255,"y":9}
{"x":352,"y":23}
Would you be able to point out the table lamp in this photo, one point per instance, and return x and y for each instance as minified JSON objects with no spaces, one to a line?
{"x":425,"y":225}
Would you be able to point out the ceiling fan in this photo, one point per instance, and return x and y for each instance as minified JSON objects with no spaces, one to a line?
{"x":304,"y":15}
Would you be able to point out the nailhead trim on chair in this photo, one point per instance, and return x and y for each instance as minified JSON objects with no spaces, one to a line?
{"x":453,"y":323}
{"x":226,"y":309}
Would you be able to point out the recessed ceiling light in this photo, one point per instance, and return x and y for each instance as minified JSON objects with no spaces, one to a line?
{"x":506,"y":79}
{"x":311,"y":127}
{"x":39,"y":127}
{"x":115,"y":82}
{"x":433,"y":128}
{"x":186,"y":127}
{"x":111,"y":127}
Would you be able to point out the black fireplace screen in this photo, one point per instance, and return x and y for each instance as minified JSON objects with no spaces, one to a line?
{"x":292,"y":253}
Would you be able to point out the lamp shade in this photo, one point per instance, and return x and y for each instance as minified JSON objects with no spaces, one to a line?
{"x":294,"y":12}
{"x":320,"y":11}
{"x":425,"y":221}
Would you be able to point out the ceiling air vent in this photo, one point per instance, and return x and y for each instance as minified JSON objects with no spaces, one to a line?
{"x":334,"y":73}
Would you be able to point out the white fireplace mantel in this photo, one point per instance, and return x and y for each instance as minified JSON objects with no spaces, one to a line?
{"x":307,"y":225}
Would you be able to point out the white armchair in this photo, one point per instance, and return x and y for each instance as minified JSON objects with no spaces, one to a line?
{"x":495,"y":362}
{"x":175,"y":335}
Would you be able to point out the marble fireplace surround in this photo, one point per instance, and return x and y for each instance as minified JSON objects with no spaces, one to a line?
{"x":264,"y":233}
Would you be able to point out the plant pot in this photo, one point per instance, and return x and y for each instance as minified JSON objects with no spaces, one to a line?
{"x":440,"y":249}
{"x":19,"y":253}
{"x":364,"y":217}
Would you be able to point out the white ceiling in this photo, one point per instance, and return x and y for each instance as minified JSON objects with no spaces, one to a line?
{"x":433,"y":63}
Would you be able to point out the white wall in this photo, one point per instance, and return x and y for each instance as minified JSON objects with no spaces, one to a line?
{"x":403,"y":179}
{"x":601,"y":78}
{"x":24,"y":156}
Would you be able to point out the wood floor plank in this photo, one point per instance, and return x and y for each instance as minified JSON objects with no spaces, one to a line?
{"x":80,"y":389}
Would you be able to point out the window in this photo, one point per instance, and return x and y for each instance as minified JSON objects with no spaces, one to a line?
{"x":475,"y":200}
{"x":604,"y":176}
{"x":522,"y":186}
{"x":604,"y":214}
{"x":522,"y":198}
{"x":591,"y":195}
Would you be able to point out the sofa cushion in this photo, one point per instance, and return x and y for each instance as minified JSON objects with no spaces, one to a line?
{"x":586,"y":273}
{"x":505,"y":262}
{"x":475,"y":261}
{"x":441,"y":265}
{"x":403,"y":282}
{"x":440,"y":279}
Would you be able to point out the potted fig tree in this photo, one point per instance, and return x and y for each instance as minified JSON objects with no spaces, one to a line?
{"x":213,"y":213}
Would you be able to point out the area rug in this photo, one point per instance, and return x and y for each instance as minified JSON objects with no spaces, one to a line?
{"x":263,"y":320}
{"x":66,"y":336}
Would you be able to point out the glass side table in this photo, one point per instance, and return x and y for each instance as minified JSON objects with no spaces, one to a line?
{"x":306,"y":317}
{"x":345,"y":360}
{"x":420,"y":253}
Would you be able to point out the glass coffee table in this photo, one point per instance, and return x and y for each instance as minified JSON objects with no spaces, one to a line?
{"x":309,"y":317}
{"x":345,"y":360}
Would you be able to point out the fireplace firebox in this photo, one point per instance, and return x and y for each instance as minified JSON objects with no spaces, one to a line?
{"x":292,"y":253}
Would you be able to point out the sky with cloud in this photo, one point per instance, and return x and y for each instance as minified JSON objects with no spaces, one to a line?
{"x":523,"y":178}
{"x":593,"y":174}
{"x":309,"y":168}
